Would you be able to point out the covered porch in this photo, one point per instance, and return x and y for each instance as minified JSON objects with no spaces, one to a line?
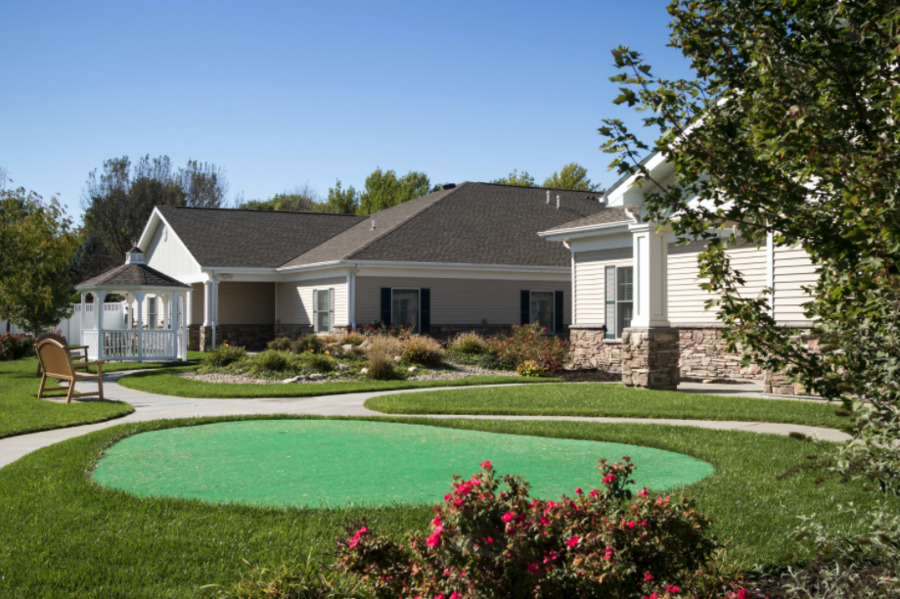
{"x":157,"y":330}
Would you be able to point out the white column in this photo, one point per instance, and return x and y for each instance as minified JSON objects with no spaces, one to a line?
{"x":210,"y":301}
{"x":184,"y":325}
{"x":98,"y":316}
{"x":140,"y":324}
{"x":651,"y":253}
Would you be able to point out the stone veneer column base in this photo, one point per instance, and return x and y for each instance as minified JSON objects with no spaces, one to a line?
{"x":650,"y":358}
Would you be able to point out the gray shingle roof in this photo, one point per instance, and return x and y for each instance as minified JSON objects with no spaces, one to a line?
{"x":252,"y":238}
{"x":473,"y":223}
{"x":607,"y":216}
{"x":132,"y":275}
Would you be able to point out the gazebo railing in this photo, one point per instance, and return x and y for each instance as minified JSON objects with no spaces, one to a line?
{"x":131,"y":344}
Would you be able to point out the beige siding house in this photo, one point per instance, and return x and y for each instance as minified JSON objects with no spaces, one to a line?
{"x":467,"y":257}
{"x":638,"y":308}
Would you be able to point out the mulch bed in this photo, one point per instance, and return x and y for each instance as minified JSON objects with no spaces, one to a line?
{"x":588,"y":376}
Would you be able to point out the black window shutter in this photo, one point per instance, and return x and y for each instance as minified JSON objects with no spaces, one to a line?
{"x":386,"y":305}
{"x":425,"y":310}
{"x":525,"y":304}
{"x":558,"y":312}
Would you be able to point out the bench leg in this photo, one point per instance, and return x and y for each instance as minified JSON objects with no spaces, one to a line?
{"x":71,"y":391}
{"x":100,"y":383}
{"x":41,"y":389}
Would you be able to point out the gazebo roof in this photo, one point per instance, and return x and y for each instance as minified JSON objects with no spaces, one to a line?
{"x":134,"y":274}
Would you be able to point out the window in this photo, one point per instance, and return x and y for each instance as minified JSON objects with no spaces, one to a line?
{"x":151,"y":313}
{"x":408,"y":308}
{"x":323,"y":310}
{"x":619,"y":286}
{"x":405,"y":308}
{"x":542,"y":309}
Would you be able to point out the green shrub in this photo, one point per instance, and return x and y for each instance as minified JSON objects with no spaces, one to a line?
{"x":270,"y":361}
{"x":280,"y":344}
{"x":316,"y":362}
{"x":529,"y":368}
{"x":353,"y":339}
{"x":333,"y":349}
{"x":419,"y":349}
{"x":381,"y":366}
{"x":224,"y":355}
{"x":468,"y":344}
{"x":528,"y":342}
{"x":308,"y":343}
{"x":488,"y":541}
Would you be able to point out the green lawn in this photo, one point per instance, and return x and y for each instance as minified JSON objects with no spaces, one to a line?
{"x":598,"y":399}
{"x":62,"y":535}
{"x":167,"y":382}
{"x":22,"y":412}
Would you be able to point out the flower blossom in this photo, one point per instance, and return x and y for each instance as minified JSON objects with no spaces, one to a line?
{"x":573,"y":541}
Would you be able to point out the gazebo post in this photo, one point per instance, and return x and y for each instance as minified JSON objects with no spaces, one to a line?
{"x":81,"y":328}
{"x":98,"y":315}
{"x":140,"y":324}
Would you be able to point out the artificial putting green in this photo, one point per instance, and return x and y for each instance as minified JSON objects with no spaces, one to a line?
{"x":339,"y":463}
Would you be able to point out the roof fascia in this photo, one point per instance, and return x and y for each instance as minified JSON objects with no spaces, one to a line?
{"x":586,"y":231}
{"x":146,"y":235}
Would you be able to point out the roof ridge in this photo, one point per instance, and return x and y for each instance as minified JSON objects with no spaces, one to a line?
{"x":389,"y":230}
{"x":255,"y":211}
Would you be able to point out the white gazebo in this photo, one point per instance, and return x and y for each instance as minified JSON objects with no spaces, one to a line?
{"x":161,"y":335}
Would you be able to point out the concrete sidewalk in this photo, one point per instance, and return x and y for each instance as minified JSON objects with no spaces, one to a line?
{"x":158,"y":407}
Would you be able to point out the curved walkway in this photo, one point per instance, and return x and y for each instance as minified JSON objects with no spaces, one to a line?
{"x":149,"y":406}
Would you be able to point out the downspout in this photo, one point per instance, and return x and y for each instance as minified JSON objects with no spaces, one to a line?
{"x":351,"y":295}
{"x":572,"y":279}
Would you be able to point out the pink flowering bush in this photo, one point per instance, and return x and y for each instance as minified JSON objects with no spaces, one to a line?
{"x":15,"y":347}
{"x":489,"y":539}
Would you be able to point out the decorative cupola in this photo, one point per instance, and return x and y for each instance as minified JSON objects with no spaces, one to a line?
{"x":134,"y":256}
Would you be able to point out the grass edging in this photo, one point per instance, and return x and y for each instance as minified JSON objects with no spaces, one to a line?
{"x":611,"y":401}
{"x":171,"y":547}
{"x":166,"y":381}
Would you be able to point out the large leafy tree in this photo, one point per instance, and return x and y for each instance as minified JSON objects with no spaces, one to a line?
{"x":516,"y":178}
{"x":119,"y":199}
{"x":36,"y":243}
{"x":385,"y":189}
{"x":790,"y":129}
{"x":571,"y":176}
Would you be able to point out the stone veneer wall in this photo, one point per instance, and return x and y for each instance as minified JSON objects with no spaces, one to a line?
{"x":704,"y":356}
{"x":650,"y":358}
{"x":590,"y":351}
{"x":292,"y":331}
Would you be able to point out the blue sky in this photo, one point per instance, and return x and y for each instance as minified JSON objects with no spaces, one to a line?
{"x":286,"y":94}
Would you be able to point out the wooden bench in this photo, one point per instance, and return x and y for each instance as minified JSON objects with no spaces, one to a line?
{"x":56,"y":362}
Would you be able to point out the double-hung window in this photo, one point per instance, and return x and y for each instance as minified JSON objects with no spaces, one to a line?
{"x":619,"y":291}
{"x":544,"y":307}
{"x":323,"y":310}
{"x":409,"y":308}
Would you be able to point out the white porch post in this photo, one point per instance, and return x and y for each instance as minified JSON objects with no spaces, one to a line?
{"x":650,"y":358}
{"x":83,"y":294}
{"x":651,"y":253}
{"x":172,"y":321}
{"x":140,"y":295}
{"x":184,"y":325}
{"x":98,"y":315}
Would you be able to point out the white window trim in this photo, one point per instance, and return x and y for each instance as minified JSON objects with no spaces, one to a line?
{"x":611,"y":328}
{"x":315,"y":302}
